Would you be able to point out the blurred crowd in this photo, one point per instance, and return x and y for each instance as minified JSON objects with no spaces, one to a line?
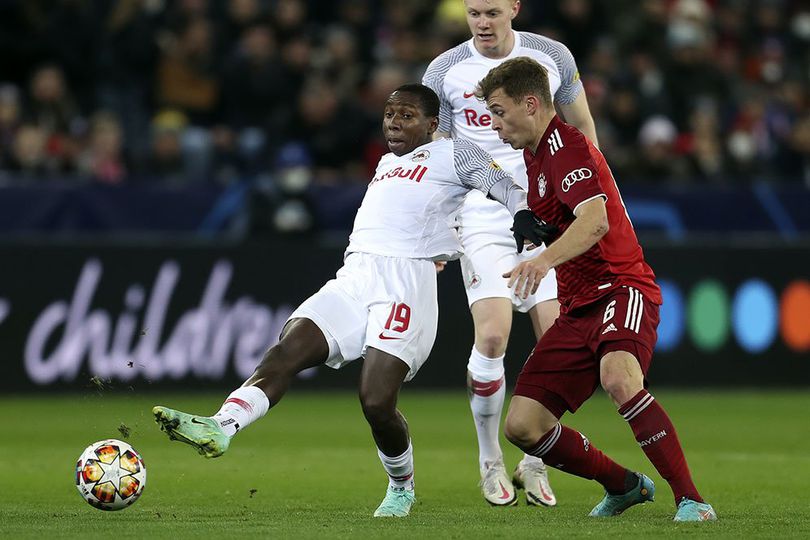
{"x":289,"y":92}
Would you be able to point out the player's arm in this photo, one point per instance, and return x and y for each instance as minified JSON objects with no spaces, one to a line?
{"x":476,"y":169}
{"x":570,"y":98}
{"x":578,"y":115}
{"x":590,"y":225}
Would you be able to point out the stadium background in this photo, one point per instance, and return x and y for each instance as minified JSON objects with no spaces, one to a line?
{"x":214,"y":153}
{"x":177,"y":175}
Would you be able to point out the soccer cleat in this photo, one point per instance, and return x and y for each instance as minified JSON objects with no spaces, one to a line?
{"x":689,"y":510}
{"x":532,"y":476}
{"x":613,"y":505}
{"x":496,"y":486}
{"x":397,"y":503}
{"x":201,"y":432}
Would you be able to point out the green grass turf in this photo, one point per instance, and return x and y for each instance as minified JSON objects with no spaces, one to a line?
{"x":316,"y":473}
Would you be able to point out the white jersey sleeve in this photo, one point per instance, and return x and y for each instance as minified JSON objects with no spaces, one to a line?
{"x":476,"y":169}
{"x":570,"y":83}
{"x":434,"y":79}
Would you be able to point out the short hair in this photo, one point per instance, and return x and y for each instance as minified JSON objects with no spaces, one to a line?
{"x":518,"y":77}
{"x":427,"y":98}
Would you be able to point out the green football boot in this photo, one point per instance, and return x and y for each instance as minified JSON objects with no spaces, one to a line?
{"x":201,"y":432}
{"x":397,"y":503}
{"x":613,"y":505}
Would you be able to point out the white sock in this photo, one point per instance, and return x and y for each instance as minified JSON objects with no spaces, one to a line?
{"x":243,"y":407}
{"x":487,"y":394}
{"x":399,"y":468}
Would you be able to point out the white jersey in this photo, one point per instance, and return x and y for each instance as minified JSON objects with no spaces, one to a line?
{"x":410,"y":206}
{"x":454,"y":75}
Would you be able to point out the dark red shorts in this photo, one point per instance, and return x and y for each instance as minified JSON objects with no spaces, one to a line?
{"x":562,"y":371}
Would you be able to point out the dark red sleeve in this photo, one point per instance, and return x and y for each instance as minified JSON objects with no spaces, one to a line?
{"x":575,"y":174}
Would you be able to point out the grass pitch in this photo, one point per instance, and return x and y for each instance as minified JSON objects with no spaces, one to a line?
{"x":309,"y":469}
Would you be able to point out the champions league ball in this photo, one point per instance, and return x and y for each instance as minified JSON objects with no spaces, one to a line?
{"x":110,"y":475}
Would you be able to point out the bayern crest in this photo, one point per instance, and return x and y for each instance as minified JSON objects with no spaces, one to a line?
{"x":541,"y":185}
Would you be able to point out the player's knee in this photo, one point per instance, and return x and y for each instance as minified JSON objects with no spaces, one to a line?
{"x":520,"y":432}
{"x":619,"y":386}
{"x":491,"y":342}
{"x":378,"y":408}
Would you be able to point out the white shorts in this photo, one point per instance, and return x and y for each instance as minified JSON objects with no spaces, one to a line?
{"x":489,"y":251}
{"x":388,"y":303}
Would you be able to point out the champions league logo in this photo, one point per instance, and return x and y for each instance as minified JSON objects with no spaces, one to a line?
{"x":541,"y":185}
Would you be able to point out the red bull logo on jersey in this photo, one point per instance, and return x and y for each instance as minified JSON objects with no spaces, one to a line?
{"x":421,"y":155}
{"x":415,"y":174}
{"x":478,"y":120}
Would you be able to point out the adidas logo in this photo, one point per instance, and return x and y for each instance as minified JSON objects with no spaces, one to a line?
{"x":610,"y":328}
{"x":554,"y":142}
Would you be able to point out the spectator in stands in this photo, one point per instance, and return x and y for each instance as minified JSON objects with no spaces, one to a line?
{"x":166,"y":162}
{"x":656,"y":161}
{"x":10,"y":111}
{"x":103,"y":159}
{"x":255,"y":83}
{"x":706,"y":155}
{"x":29,"y":158}
{"x":330,"y":129}
{"x":127,"y":57}
{"x":52,"y":108}
{"x":187,"y":73}
{"x":249,"y":76}
{"x":797,"y":162}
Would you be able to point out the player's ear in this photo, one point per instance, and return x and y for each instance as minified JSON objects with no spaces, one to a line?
{"x":433,"y":125}
{"x":532,"y":104}
{"x":515,"y":9}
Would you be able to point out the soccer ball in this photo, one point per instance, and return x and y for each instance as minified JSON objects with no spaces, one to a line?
{"x":110,"y":475}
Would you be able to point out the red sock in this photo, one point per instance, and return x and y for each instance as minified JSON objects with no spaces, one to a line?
{"x":656,"y":435}
{"x":569,"y":450}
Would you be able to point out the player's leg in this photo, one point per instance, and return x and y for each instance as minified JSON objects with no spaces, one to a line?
{"x":492,"y":320}
{"x":626,"y":324}
{"x":403,"y":318}
{"x":622,"y":378}
{"x":559,"y":376}
{"x":380,"y":381}
{"x":302,"y":345}
{"x":328,"y":327}
{"x":532,"y":427}
{"x":531,"y":473}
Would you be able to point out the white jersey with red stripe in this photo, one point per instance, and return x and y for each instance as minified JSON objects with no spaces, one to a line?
{"x":410,"y":206}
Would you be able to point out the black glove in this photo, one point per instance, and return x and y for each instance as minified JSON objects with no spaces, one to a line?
{"x":527,"y":226}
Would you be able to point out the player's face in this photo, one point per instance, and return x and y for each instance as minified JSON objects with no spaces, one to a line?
{"x":490,"y":22}
{"x":405,"y":126}
{"x":510,"y":119}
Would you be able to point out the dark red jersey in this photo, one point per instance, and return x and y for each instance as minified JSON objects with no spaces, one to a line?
{"x":567,"y":171}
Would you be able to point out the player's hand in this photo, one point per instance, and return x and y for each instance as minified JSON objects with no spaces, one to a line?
{"x":526,"y":276}
{"x":440,"y":266}
{"x":528,"y":227}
